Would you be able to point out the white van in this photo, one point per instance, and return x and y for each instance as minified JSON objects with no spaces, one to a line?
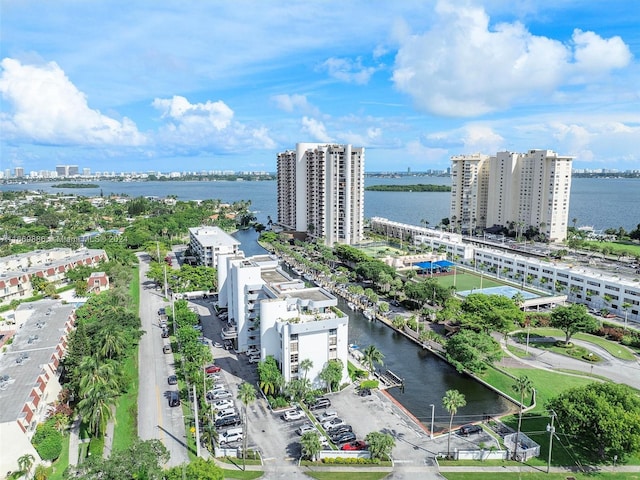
{"x":231,"y":435}
{"x":227,"y":412}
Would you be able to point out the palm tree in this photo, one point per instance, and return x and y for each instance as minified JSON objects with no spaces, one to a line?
{"x":113,"y":344}
{"x":96,"y":406}
{"x":94,"y":372}
{"x":305,"y":366}
{"x":311,"y":445}
{"x":523,"y":385}
{"x":247,"y":395}
{"x":451,"y":401}
{"x":626,"y":306}
{"x":372,"y":356}
{"x":25,"y":462}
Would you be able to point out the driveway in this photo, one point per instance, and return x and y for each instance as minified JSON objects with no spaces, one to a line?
{"x":156,"y":420}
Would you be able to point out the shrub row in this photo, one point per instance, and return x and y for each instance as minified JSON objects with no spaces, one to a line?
{"x":350,"y":460}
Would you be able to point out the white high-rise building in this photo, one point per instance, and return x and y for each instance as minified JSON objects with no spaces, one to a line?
{"x":278,"y":316}
{"x":321,"y":191}
{"x":208,"y":243}
{"x":515,"y":190}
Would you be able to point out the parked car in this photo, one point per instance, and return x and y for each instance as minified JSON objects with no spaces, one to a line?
{"x":356,"y":445}
{"x":334,"y":422}
{"x":217,"y":344}
{"x":335,"y":431}
{"x":162,"y":311}
{"x":214,"y":376}
{"x":165,"y":333}
{"x":218,"y":394}
{"x":343,"y":438}
{"x":304,"y":428}
{"x":166,"y":349}
{"x":468,"y":429}
{"x":326,"y":416}
{"x":212,"y":369}
{"x":198,"y":327}
{"x":174,"y":399}
{"x":230,"y":436}
{"x":227,"y":412}
{"x":365,"y":392}
{"x":222,"y":404}
{"x":291,"y":415}
{"x":320,"y":403}
{"x":172,"y":380}
{"x":228,"y":421}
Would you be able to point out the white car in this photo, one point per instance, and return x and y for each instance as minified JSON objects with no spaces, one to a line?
{"x":222,"y":404}
{"x":217,"y":345}
{"x":307,"y":427}
{"x":336,"y":422}
{"x":218,"y":394}
{"x":327,"y":415}
{"x":291,"y":415}
{"x":254,"y":359}
{"x":227,"y":412}
{"x":229,"y":437}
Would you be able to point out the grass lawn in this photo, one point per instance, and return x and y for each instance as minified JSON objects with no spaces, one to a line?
{"x":539,"y":476}
{"x":614,"y":348}
{"x":245,"y":475}
{"x":126,"y":427}
{"x":347,"y":475}
{"x":618,"y":248}
{"x":54,"y":472}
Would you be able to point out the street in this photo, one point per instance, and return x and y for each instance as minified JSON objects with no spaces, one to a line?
{"x":156,"y":419}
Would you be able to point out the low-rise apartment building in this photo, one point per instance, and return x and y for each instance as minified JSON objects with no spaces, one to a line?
{"x":208,"y":243}
{"x":29,"y":375}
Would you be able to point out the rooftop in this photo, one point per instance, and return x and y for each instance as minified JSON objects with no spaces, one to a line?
{"x":213,"y":236}
{"x":32,"y":348}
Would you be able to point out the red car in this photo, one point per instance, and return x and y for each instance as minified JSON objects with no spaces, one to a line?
{"x":212,"y":369}
{"x":357,"y":445}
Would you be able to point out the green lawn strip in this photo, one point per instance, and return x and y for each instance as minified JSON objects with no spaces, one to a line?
{"x":134,"y":289}
{"x":242,"y":474}
{"x":96,"y":447}
{"x":55,"y":471}
{"x":126,"y":427}
{"x":518,"y":352}
{"x":347,"y":475}
{"x":539,"y":476}
{"x":614,"y":348}
{"x":618,"y":248}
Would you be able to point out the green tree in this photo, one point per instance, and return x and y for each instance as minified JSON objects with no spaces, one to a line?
{"x":305,"y":366}
{"x":331,"y":374}
{"x":38,"y":283}
{"x":269,"y":376}
{"x":247,"y":395}
{"x":197,"y":469}
{"x":572,"y":319}
{"x":96,"y":407}
{"x":311,"y":446}
{"x":522,"y":386}
{"x":603,"y":418}
{"x":380,"y":444}
{"x":472,"y":350}
{"x":371,"y":356}
{"x":452,"y":401}
{"x":491,"y":313}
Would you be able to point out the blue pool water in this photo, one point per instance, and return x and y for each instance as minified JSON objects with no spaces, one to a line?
{"x":504,"y":290}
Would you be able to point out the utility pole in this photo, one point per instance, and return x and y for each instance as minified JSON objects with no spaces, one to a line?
{"x":433,"y":410}
{"x":552,"y":430}
{"x":195,"y":410}
{"x":166,"y":294}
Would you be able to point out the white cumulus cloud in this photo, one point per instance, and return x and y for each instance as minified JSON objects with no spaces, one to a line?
{"x":294,"y":103}
{"x":465,"y":67}
{"x":315,"y":129}
{"x":208,"y":125}
{"x":349,"y":71}
{"x":46,"y":107}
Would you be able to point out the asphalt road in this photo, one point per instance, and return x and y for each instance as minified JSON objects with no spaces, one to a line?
{"x":156,"y":420}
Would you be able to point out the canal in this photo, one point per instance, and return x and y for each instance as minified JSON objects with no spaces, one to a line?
{"x":426,"y":377}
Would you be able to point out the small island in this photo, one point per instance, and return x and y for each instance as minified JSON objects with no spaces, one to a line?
{"x":420,"y":187}
{"x":75,"y":185}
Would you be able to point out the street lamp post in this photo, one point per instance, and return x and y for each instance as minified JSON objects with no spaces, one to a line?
{"x":433,"y":409}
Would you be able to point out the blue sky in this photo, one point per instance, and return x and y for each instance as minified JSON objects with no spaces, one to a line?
{"x":209,"y":85}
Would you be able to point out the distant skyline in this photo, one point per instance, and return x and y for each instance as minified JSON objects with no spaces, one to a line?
{"x":179,"y":86}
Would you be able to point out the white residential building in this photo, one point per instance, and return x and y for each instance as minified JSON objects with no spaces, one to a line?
{"x":207,"y":243}
{"x":521,"y":190}
{"x":321,"y":191}
{"x":29,"y":368}
{"x":278,"y":316}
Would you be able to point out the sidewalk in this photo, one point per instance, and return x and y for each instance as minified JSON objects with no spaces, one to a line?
{"x":108,"y":437}
{"x":74,"y":441}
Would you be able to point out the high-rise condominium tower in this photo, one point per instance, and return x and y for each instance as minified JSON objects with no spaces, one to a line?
{"x":516,"y":190}
{"x":321,"y":191}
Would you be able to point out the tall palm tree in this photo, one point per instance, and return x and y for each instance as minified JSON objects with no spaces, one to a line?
{"x":451,"y":401}
{"x":94,"y":372}
{"x":96,"y":407}
{"x":305,"y":366}
{"x":113,"y":344}
{"x":523,"y":385}
{"x":247,"y":395}
{"x":372,"y":356}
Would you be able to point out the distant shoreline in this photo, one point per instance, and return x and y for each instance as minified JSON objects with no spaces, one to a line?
{"x":419,"y":187}
{"x":75,"y":185}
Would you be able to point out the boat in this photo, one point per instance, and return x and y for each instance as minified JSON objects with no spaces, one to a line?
{"x":297,"y":271}
{"x":368,"y":314}
{"x":352,"y":306}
